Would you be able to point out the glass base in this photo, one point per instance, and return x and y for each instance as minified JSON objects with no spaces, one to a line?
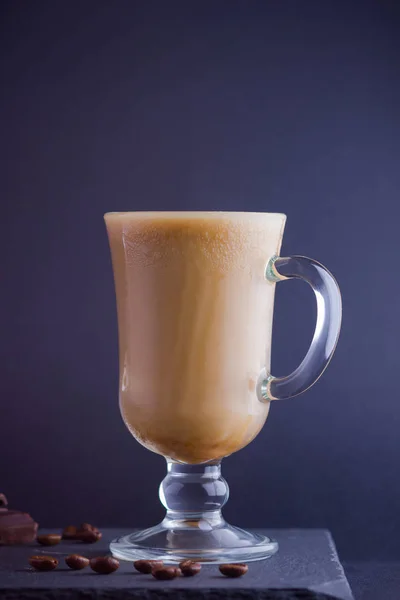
{"x":193,"y":526}
{"x":221,"y":544}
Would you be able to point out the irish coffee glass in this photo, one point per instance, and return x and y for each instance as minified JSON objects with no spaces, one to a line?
{"x":148,"y":249}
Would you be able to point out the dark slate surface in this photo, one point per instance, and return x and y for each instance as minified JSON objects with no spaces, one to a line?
{"x":306,"y":567}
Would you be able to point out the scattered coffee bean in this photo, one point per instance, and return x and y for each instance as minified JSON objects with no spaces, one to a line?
{"x":3,"y":501}
{"x":104,"y":565}
{"x":147,"y":566}
{"x":234,"y":570}
{"x":89,"y":537}
{"x":70,"y":533}
{"x":87,"y":527}
{"x":190,"y":568}
{"x":50,"y":539}
{"x":77,"y":562}
{"x":165,"y":573}
{"x":43,"y":563}
{"x":86,"y":533}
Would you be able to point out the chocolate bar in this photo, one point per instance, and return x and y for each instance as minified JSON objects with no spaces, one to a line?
{"x":16,"y":527}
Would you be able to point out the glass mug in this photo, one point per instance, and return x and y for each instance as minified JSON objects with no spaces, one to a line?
{"x":195,"y":295}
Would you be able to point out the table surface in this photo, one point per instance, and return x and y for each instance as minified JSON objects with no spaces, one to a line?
{"x":306,"y":566}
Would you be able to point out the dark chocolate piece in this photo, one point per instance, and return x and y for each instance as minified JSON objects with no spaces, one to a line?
{"x":16,"y":528}
{"x":3,"y":501}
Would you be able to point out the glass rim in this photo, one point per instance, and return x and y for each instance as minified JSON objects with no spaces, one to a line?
{"x":193,"y":213}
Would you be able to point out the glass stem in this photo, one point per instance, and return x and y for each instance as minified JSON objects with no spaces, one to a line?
{"x":193,"y":495}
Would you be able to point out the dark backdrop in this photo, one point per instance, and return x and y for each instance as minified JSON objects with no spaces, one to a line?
{"x":261,"y":105}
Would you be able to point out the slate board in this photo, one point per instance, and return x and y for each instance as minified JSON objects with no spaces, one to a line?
{"x":306,"y":567}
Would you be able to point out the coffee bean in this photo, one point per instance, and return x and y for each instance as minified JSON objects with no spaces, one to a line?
{"x":50,"y":539}
{"x":234,"y":570}
{"x":89,"y":537}
{"x":70,"y":533}
{"x":104,"y":565}
{"x":43,"y":563}
{"x":3,"y":501}
{"x":146,"y":566}
{"x":77,"y":562}
{"x":189,"y":568}
{"x":87,"y":527}
{"x":165,"y":573}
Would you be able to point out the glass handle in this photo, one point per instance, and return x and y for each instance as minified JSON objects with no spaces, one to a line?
{"x":326,"y":334}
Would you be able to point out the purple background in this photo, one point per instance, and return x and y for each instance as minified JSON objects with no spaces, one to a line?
{"x":262,"y":105}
